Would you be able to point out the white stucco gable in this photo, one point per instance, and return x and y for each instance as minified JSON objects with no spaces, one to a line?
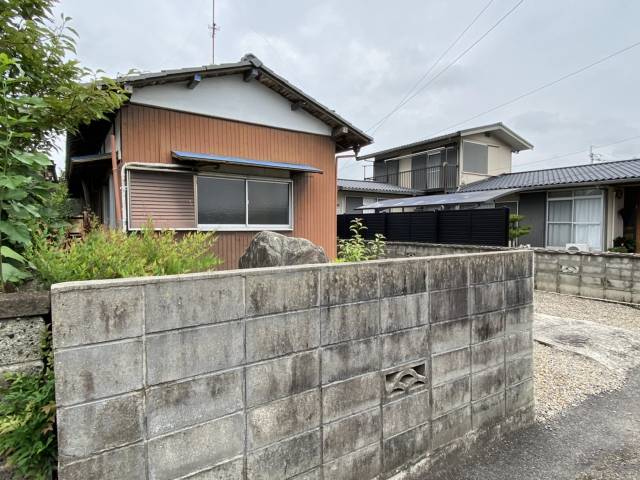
{"x":232,"y":98}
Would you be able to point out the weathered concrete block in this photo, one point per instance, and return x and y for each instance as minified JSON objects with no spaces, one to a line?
{"x":288,"y":289}
{"x":618,"y":295}
{"x":350,"y":396}
{"x":178,"y":405}
{"x":451,"y":365}
{"x":127,"y":463}
{"x":519,"y":292}
{"x":397,"y":313}
{"x":350,"y":322}
{"x":350,"y":434}
{"x":315,"y":474}
{"x":450,"y":335}
{"x":568,"y":284}
{"x":518,"y":344}
{"x":519,"y":369}
{"x":24,"y":304}
{"x":487,"y":268}
{"x":348,"y":283}
{"x":487,"y":382}
{"x":285,"y":459}
{"x":519,"y":396}
{"x":99,"y":371}
{"x":590,"y":291}
{"x":95,"y":315}
{"x":282,"y":377}
{"x":186,"y":303}
{"x":283,"y":418}
{"x":448,"y":273}
{"x":349,"y":359}
{"x":403,"y":414}
{"x":488,"y":297}
{"x":363,"y":464}
{"x":546,"y":267}
{"x":196,"y":448}
{"x":519,"y":318}
{"x":406,"y":446}
{"x":184,"y":353}
{"x":448,"y":305}
{"x":276,"y":335}
{"x":403,"y":278}
{"x":231,"y":470}
{"x":450,"y":396}
{"x":404,"y":346}
{"x":593,"y":265}
{"x":87,"y":429}
{"x":488,"y":411}
{"x":547,"y":282}
{"x":20,"y":340}
{"x":451,"y":426}
{"x":487,"y":326}
{"x":487,"y":354}
{"x":518,"y":264}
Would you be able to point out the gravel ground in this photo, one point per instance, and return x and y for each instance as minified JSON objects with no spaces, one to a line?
{"x":563,"y":379}
{"x":613,"y":314}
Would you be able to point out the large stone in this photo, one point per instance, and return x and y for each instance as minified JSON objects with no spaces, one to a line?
{"x":270,"y":249}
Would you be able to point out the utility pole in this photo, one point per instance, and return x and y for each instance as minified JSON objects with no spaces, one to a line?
{"x":214,"y":28}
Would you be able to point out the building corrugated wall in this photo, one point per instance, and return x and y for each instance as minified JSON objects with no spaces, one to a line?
{"x":150,"y":134}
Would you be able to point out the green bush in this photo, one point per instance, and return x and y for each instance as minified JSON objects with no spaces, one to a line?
{"x":27,"y":421}
{"x":356,"y":248}
{"x":104,"y":253}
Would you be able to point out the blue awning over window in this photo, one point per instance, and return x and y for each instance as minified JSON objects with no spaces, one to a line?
{"x":209,"y":158}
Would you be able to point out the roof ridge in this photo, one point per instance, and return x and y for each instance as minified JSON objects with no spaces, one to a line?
{"x":568,"y":166}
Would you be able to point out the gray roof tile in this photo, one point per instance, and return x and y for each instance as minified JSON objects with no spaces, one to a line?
{"x":605,"y":172}
{"x":376,"y":187}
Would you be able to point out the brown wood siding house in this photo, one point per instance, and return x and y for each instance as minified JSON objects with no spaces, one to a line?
{"x":157,"y":126}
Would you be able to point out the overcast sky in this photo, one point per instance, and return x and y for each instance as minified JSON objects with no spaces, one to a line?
{"x":362,"y":56}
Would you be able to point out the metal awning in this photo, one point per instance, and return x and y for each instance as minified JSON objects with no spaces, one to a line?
{"x":246,"y":162}
{"x":438,"y":200}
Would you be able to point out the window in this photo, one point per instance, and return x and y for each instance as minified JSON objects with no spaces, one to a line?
{"x":231,"y":203}
{"x":575,"y":217}
{"x":475,"y":158}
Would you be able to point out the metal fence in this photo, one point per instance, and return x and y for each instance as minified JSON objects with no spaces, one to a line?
{"x":471,"y":227}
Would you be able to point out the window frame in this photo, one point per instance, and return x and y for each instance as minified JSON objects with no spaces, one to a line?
{"x":246,"y":227}
{"x":464,"y":166}
{"x":571,"y":196}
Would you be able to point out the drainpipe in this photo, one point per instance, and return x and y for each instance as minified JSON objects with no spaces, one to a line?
{"x":116,"y":181}
{"x":123,"y":193}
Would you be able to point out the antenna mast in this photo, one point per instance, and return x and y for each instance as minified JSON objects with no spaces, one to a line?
{"x":214,"y":28}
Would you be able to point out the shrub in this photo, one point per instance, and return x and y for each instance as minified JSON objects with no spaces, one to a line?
{"x":104,"y":253}
{"x":356,"y":248}
{"x":27,"y":420}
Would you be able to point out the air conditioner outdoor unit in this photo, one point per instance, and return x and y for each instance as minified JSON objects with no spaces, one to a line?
{"x":577,"y":247}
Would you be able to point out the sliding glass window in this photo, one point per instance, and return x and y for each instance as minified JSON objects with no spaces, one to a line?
{"x":575,"y":217}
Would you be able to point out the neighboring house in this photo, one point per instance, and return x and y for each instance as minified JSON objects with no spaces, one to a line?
{"x":356,"y":193}
{"x":445,"y":163}
{"x":233,"y":148}
{"x":585,"y":204}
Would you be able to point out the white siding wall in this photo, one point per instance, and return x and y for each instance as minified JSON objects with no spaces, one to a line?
{"x":499,"y":158}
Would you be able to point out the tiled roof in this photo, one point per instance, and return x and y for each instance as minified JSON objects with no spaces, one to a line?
{"x":606,"y":172}
{"x":377,"y":187}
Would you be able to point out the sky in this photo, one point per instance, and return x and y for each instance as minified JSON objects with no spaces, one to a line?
{"x":362,"y":57}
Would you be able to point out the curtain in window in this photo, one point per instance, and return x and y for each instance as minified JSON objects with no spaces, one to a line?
{"x":587,"y":218}
{"x":560,"y":229}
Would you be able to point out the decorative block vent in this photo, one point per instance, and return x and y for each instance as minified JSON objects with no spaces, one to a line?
{"x":405,"y":379}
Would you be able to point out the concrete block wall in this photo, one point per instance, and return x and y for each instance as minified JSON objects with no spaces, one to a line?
{"x":346,"y":371}
{"x":601,"y":275}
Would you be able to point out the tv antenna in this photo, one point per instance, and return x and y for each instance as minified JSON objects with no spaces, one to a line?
{"x":595,"y":157}
{"x":213,"y":28}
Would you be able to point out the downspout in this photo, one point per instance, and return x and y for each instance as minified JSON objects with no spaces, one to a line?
{"x":123,"y":194}
{"x":116,"y":180}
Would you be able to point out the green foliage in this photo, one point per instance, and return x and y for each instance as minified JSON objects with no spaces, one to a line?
{"x":107,"y":253}
{"x":45,"y":92}
{"x":27,"y":420}
{"x":623,"y":245}
{"x":515,"y":229}
{"x":356,"y":248}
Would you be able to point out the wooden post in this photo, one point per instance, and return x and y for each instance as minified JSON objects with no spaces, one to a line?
{"x":117,"y":192}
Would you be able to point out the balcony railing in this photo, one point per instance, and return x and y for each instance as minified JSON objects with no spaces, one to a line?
{"x":442,"y":178}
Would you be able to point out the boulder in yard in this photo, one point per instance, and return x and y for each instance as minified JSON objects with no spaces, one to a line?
{"x":270,"y":249}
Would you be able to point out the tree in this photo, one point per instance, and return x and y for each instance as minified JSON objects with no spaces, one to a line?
{"x":517,"y":230}
{"x":45,"y":92}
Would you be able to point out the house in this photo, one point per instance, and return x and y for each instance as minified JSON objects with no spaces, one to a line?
{"x":445,"y":163}
{"x":233,"y":148}
{"x":588,"y":205}
{"x":356,"y":193}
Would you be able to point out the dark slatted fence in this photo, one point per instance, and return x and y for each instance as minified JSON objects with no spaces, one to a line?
{"x":469,"y":227}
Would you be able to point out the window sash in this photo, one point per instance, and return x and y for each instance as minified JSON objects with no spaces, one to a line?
{"x":575,"y":196}
{"x":246,"y":226}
